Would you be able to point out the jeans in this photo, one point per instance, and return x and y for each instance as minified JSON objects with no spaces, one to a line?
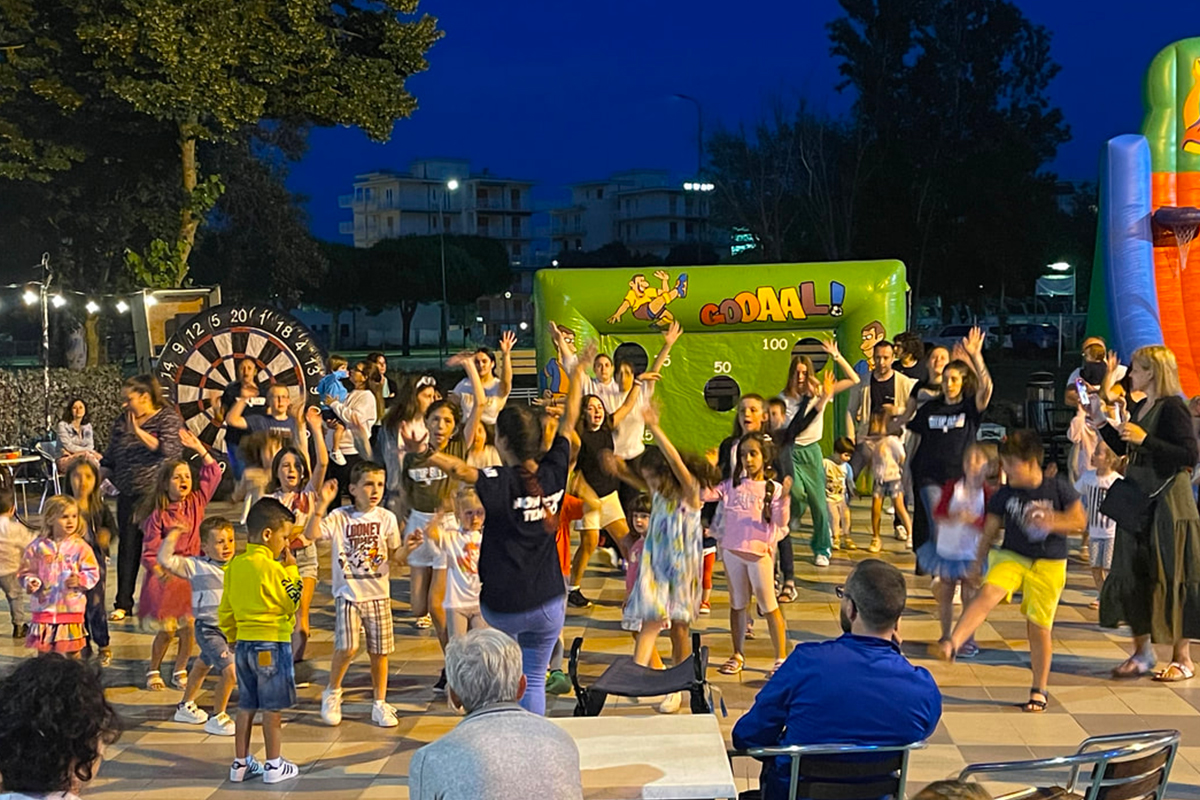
{"x":129,"y":552}
{"x":536,"y":631}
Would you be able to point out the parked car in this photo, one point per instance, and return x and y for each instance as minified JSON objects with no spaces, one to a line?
{"x":950,"y":335}
{"x":1027,"y":336}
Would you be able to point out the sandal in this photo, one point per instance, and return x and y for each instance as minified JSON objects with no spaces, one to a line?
{"x":876,"y":545}
{"x":733,"y":666}
{"x":750,"y":629}
{"x":154,"y":681}
{"x":117,"y":614}
{"x":1133,"y":667}
{"x":774,"y":669}
{"x":1033,"y":706}
{"x":1174,"y":673}
{"x":1094,"y":605}
{"x":179,"y":679}
{"x":787,"y":594}
{"x":105,"y":657}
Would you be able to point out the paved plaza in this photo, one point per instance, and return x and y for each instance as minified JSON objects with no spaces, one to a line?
{"x":159,"y":758}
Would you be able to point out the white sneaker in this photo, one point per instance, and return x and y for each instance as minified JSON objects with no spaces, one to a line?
{"x":241,"y":770}
{"x":902,"y":533}
{"x":384,"y":715}
{"x":670,"y":704}
{"x":190,"y":713}
{"x":821,"y":561}
{"x":958,"y":595}
{"x":908,"y":544}
{"x":279,"y":772}
{"x":331,"y":706}
{"x":337,"y":458}
{"x":220,"y":725}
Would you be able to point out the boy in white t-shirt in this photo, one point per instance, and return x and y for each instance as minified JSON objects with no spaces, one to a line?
{"x":1092,"y":486}
{"x":839,"y":477}
{"x":365,"y":541}
{"x":461,"y":545}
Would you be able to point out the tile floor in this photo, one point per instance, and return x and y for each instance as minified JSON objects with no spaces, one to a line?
{"x":159,"y":758}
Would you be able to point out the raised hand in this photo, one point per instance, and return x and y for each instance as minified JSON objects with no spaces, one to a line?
{"x":648,"y":377}
{"x":651,"y":414}
{"x":313,"y":416}
{"x":973,"y":341}
{"x":830,"y":347}
{"x":673,"y":332}
{"x":1112,"y":362}
{"x":414,"y":540}
{"x":329,"y":492}
{"x":661,"y":275}
{"x":508,"y":340}
{"x":191,"y":442}
{"x":589,"y":353}
{"x":411,"y":443}
{"x":828,"y":381}
{"x":458,"y":359}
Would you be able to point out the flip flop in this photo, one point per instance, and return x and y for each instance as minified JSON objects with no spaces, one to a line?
{"x":1174,"y":673}
{"x":1132,"y":667}
{"x":733,"y":666}
{"x":1032,"y":706}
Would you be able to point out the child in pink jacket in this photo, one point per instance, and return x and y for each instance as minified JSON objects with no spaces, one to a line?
{"x":57,"y":569}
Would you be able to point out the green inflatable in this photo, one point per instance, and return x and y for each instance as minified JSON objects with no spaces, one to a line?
{"x":742,"y":325}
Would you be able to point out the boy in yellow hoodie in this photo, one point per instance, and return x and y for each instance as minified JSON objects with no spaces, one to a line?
{"x":257,"y":611}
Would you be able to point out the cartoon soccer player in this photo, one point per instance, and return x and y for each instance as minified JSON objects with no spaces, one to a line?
{"x":556,"y":381}
{"x":650,"y":304}
{"x":872,"y":334}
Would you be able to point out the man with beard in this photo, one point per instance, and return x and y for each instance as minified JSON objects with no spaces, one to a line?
{"x":856,"y":689}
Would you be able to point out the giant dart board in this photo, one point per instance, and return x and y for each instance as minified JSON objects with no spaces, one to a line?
{"x":200,"y":360}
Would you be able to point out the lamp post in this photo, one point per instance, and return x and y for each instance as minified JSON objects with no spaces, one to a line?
{"x":705,"y":188}
{"x":699,"y":131}
{"x":451,"y":185}
{"x":1062,"y":266}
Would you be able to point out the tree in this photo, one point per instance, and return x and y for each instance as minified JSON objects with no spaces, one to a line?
{"x":793,"y":182}
{"x":211,"y":69}
{"x":951,"y":99}
{"x":408,"y":271}
{"x":692,"y":254}
{"x":613,"y":254}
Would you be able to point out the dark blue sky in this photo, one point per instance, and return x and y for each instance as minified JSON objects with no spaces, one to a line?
{"x":560,"y":91}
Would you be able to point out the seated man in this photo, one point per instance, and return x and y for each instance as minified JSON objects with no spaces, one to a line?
{"x":499,"y":750}
{"x":857,"y":689}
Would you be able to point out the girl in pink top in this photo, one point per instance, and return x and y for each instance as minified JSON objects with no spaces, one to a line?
{"x":754,"y":513}
{"x":165,"y":605}
{"x":57,"y":569}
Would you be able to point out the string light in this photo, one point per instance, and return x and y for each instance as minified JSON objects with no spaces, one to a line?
{"x":58,"y":301}
{"x":30,"y":297}
{"x":151,"y":300}
{"x":122,"y":306}
{"x":92,"y":307}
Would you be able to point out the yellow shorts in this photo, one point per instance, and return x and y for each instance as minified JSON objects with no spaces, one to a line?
{"x":1040,"y":582}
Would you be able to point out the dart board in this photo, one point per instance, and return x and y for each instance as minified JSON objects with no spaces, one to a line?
{"x":200,"y":360}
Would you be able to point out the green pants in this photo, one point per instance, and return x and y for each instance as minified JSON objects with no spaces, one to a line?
{"x":808,"y":492}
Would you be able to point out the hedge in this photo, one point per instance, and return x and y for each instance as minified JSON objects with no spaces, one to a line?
{"x":22,"y":402}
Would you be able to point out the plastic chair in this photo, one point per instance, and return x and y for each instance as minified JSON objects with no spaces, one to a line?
{"x":1132,"y":766}
{"x":50,"y":476}
{"x":838,"y":771}
{"x":624,"y":678}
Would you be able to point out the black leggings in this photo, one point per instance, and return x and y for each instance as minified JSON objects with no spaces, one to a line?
{"x":129,"y":552}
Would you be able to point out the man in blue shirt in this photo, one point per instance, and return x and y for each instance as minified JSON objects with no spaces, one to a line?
{"x":856,"y":689}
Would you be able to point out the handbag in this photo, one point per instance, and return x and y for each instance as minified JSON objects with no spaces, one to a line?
{"x":1130,"y":507}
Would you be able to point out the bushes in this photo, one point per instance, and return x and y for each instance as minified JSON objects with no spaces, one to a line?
{"x":22,"y":404}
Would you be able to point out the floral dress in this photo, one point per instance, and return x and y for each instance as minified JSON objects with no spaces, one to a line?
{"x":668,"y":581}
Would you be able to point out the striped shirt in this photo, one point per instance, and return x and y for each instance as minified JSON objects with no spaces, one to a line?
{"x":207,"y":578}
{"x":1092,"y":489}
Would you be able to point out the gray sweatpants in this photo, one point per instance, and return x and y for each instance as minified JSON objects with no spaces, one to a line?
{"x":18,"y":600}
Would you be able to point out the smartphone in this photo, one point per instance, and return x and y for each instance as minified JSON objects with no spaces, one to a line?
{"x":1081,"y":389}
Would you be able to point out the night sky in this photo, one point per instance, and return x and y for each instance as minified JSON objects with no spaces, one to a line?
{"x":558,"y":91}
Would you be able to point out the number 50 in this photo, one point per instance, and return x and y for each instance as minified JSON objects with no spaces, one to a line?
{"x":722,"y":367}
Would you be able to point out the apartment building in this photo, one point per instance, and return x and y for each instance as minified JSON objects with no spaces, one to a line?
{"x":388,"y":204}
{"x":644,"y":209}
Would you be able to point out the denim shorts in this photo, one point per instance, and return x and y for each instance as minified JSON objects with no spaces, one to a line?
{"x":214,"y":647}
{"x":266,"y":680}
{"x":887,"y":489}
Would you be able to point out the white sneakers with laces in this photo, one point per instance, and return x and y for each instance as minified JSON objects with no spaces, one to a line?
{"x":384,"y":715}
{"x":821,"y":561}
{"x":280,"y":770}
{"x":241,"y":770}
{"x":190,"y":713}
{"x":331,"y":706}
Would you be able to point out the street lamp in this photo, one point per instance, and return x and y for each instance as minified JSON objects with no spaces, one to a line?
{"x":699,"y":130}
{"x":1063,"y":266}
{"x":451,"y":185}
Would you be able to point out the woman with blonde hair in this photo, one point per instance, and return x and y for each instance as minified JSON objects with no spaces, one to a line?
{"x":1154,"y":585}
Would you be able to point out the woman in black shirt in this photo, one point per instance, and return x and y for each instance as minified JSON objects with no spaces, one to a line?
{"x":1154,"y":585}
{"x":521,"y":582}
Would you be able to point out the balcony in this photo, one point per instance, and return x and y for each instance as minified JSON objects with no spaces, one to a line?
{"x":345,"y":201}
{"x":497,"y":204}
{"x":346,"y":228}
{"x":560,"y":228}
